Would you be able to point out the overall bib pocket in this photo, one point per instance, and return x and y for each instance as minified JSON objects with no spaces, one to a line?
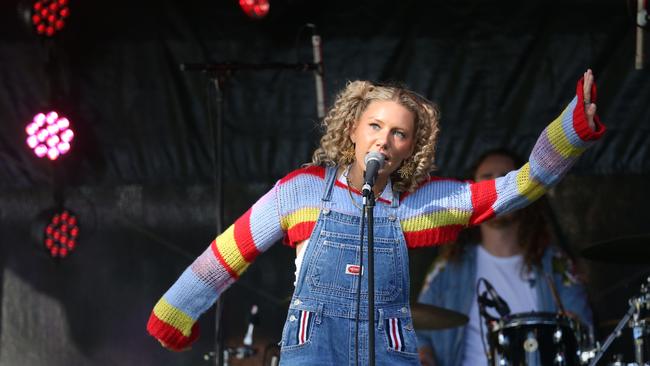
{"x":335,"y":268}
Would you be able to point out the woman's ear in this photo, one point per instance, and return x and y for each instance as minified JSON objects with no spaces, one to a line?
{"x":352,"y":133}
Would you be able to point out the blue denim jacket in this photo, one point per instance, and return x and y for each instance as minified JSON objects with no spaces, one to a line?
{"x":452,"y":285}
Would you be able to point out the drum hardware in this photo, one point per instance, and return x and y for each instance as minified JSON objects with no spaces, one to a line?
{"x":634,"y":320}
{"x":531,"y":345}
{"x":557,"y":336}
{"x":239,"y":353}
{"x":535,"y":338}
{"x":617,"y":361}
{"x":489,"y":298}
{"x":587,"y":355}
{"x":246,"y":350}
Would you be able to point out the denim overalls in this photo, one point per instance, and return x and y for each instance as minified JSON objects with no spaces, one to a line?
{"x":320,"y":325}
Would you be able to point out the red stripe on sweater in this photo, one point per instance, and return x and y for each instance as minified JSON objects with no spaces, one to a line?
{"x":225,"y":265}
{"x":317,"y":171}
{"x":244,"y":237}
{"x":299,"y":232}
{"x":484,"y":194}
{"x":431,"y":237}
{"x":171,"y":336}
{"x":580,"y":123}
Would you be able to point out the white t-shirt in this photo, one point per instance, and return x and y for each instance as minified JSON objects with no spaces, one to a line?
{"x":514,"y":285}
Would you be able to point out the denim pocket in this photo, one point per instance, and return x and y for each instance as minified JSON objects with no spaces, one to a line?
{"x":298,"y":329}
{"x":399,"y":337}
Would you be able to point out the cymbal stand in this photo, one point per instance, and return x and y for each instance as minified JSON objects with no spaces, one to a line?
{"x":637,"y":325}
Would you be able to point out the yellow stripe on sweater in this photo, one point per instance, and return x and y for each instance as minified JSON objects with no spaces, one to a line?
{"x":558,"y":138}
{"x":432,"y":220}
{"x":303,"y":215}
{"x":527,"y":186}
{"x":227,"y":247}
{"x":173,"y":316}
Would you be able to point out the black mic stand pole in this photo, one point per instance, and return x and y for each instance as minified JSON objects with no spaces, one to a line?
{"x":218,"y":73}
{"x":218,"y":79}
{"x":369,"y":205}
{"x":483,"y":303}
{"x":218,"y":76}
{"x":226,"y":68}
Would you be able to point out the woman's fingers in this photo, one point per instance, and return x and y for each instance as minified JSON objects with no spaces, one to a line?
{"x":590,"y":107}
{"x":162,"y":343}
{"x":588,"y":81}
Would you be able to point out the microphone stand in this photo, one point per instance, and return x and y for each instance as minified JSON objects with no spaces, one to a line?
{"x":368,"y":206}
{"x":218,"y":72}
{"x":217,"y":137}
{"x":483,"y":304}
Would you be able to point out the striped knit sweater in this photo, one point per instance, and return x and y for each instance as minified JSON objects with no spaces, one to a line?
{"x":433,"y":214}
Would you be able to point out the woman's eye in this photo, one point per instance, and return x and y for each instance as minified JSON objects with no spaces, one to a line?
{"x":400,"y":134}
{"x":374,"y":126}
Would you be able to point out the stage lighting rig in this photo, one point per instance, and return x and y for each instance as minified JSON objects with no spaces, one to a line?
{"x":45,"y":17}
{"x":49,"y":134}
{"x":61,"y":234}
{"x":255,"y":9}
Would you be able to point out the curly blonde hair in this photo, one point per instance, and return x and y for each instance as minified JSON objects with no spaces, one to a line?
{"x":335,"y":145}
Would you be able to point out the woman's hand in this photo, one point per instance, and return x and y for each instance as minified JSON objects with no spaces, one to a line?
{"x":590,"y":108}
{"x":162,"y":343}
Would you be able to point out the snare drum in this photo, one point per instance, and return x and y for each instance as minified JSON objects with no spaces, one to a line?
{"x":534,"y":339}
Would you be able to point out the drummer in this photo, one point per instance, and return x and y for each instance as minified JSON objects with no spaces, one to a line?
{"x":514,"y":253}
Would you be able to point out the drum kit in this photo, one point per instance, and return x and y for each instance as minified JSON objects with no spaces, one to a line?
{"x":549,"y":339}
{"x":541,"y":338}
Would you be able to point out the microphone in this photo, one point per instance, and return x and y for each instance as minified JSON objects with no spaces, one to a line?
{"x":318,"y":72}
{"x":500,"y":304}
{"x":374,"y":162}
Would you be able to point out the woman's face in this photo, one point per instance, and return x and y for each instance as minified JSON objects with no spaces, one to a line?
{"x":385,"y":127}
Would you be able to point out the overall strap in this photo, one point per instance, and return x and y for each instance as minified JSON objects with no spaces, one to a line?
{"x":394,"y":202}
{"x":330,"y":178}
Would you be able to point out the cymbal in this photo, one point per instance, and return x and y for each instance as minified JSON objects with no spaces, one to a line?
{"x":433,"y":317}
{"x":624,"y":250}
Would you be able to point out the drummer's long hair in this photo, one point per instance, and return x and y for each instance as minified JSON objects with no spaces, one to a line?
{"x":534,"y":234}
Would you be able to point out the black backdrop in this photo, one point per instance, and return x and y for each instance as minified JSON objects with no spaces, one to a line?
{"x":141,"y":172}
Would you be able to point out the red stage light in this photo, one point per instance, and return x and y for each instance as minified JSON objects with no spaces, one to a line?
{"x":255,"y":9}
{"x":57,"y":241}
{"x":49,"y":16}
{"x":49,"y":134}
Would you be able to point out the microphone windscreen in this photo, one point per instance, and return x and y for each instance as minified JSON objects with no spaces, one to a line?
{"x":373,"y":155}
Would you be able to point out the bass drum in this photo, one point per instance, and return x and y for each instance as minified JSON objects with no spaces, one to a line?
{"x":534,"y":339}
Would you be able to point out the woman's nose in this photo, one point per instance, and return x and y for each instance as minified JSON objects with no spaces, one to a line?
{"x":382,"y":139}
